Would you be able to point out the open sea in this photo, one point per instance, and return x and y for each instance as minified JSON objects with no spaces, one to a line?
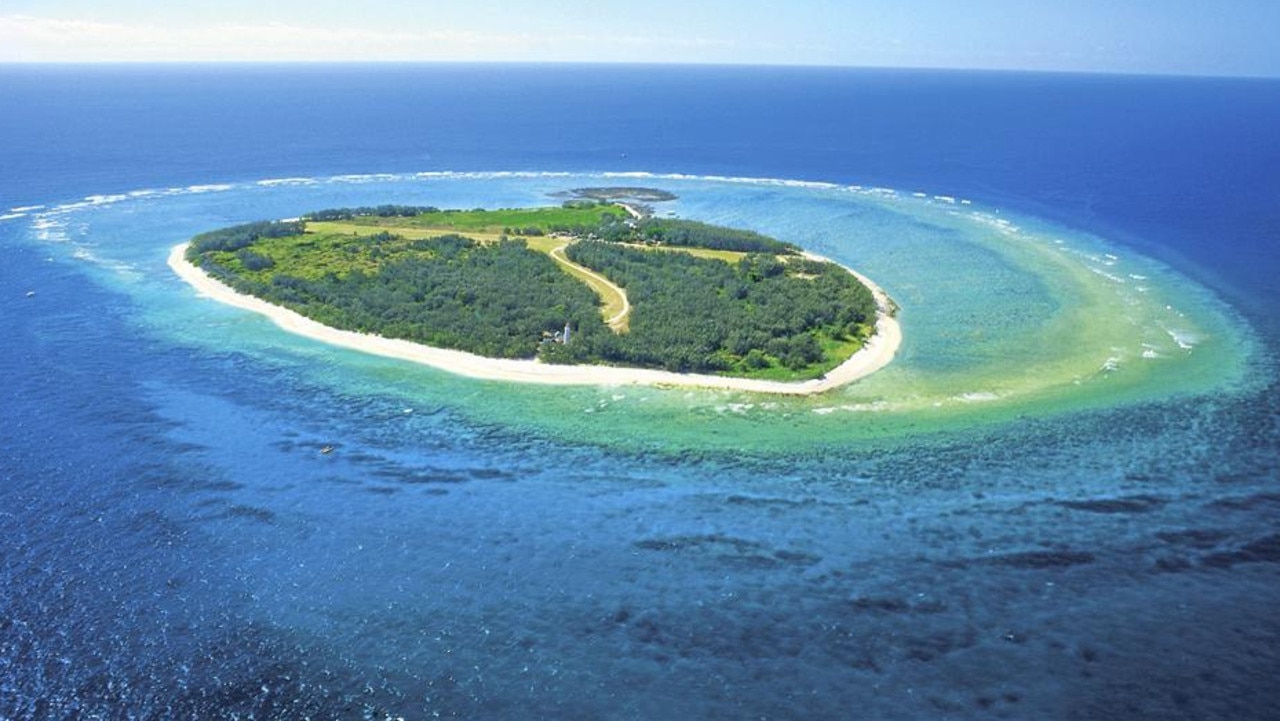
{"x":1061,"y":501}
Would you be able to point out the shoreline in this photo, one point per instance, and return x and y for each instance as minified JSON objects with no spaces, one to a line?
{"x":878,"y":351}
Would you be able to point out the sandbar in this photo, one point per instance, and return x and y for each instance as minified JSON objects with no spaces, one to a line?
{"x":878,"y":351}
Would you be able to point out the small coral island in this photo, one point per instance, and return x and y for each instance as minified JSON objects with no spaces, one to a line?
{"x":595,"y":281}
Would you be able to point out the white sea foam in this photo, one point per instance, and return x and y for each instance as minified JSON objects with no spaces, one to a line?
{"x":120,"y":268}
{"x":26,"y":208}
{"x":1109,"y":276}
{"x":977,"y":397}
{"x":364,"y":178}
{"x":1112,"y":364}
{"x":918,"y":194}
{"x":815,"y":184}
{"x":68,"y":208}
{"x":629,"y":174}
{"x":1137,"y":276}
{"x":105,"y":199}
{"x":50,"y":230}
{"x":1001,"y":225}
{"x":945,"y":199}
{"x":741,"y":180}
{"x":210,"y":188}
{"x":94,"y":201}
{"x":90,"y":201}
{"x":273,"y":182}
{"x":452,"y":174}
{"x":12,"y":216}
{"x":872,"y":407}
{"x":471,"y":175}
{"x":1185,"y":339}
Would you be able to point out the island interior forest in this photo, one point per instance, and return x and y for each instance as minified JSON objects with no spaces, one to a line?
{"x":590,"y":281}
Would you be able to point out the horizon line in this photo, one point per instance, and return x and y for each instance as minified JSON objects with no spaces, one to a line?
{"x":627,"y":64}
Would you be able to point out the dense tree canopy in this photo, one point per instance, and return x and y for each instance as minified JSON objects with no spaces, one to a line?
{"x":379,"y":211}
{"x":494,"y":299}
{"x":754,"y":307}
{"x":242,"y":236}
{"x":707,"y":315}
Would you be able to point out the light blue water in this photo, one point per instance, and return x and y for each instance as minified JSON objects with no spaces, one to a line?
{"x":177,"y":545}
{"x":999,"y":319}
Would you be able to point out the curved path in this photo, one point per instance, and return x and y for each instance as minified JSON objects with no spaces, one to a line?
{"x":612,"y":295}
{"x":876,"y":354}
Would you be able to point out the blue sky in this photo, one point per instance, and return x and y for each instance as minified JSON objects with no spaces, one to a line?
{"x":1195,"y":37}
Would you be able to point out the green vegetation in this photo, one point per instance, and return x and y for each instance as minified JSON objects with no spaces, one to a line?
{"x":242,"y":236}
{"x":494,"y":299}
{"x":719,"y":300}
{"x":513,"y":221}
{"x":762,"y":317}
{"x":381,"y":211}
{"x":670,"y":232}
{"x":614,"y":304}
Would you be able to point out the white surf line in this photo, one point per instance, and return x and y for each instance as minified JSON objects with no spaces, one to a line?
{"x":557,"y":254}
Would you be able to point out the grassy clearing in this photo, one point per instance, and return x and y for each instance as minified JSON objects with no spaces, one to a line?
{"x":728,"y":256}
{"x":313,"y":255}
{"x":403,"y":229}
{"x":543,"y":243}
{"x":492,"y":222}
{"x":411,"y":229}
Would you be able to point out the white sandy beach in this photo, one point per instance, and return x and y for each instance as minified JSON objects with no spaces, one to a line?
{"x":876,"y":354}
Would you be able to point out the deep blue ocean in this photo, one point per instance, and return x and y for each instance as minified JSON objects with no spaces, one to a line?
{"x":173,"y":543}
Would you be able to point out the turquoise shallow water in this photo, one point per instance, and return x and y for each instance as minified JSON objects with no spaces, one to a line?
{"x":1003,"y":316}
{"x":1029,"y":514}
{"x":1034,"y":531}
